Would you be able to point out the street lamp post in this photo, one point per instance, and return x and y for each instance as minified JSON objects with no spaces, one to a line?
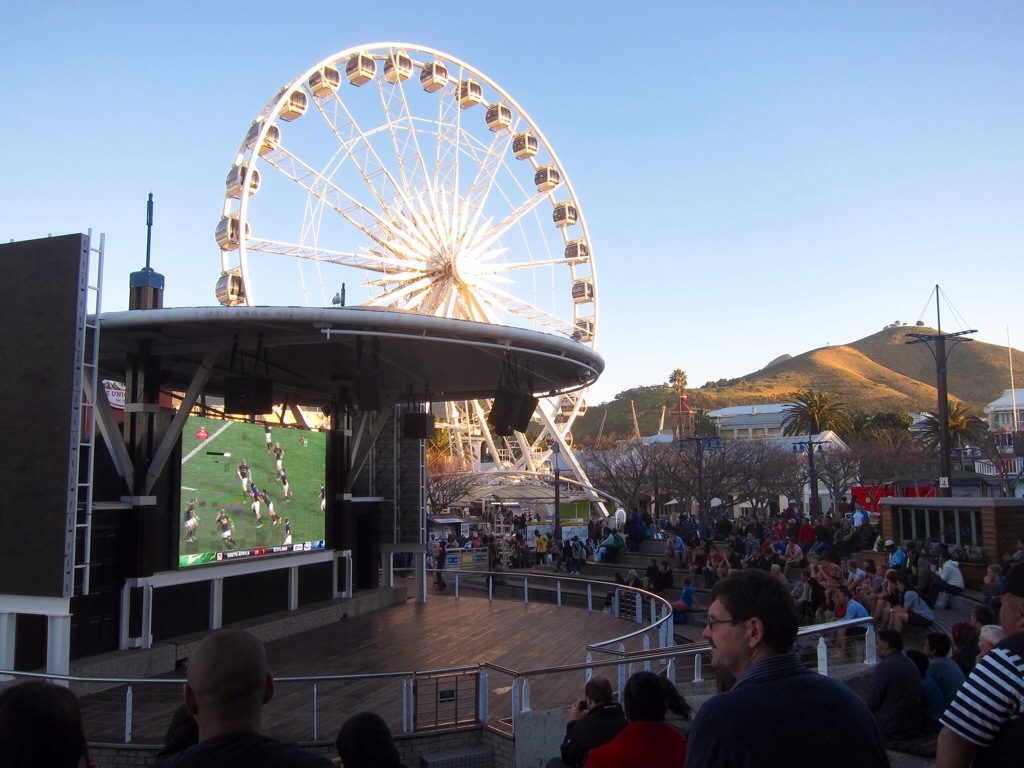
{"x":812,"y":472}
{"x":812,"y":476}
{"x":556,"y":451}
{"x":937,"y":346}
{"x":699,"y":444}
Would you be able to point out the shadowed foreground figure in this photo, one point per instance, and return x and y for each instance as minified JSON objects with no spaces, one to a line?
{"x":648,"y":740}
{"x":594,"y":720}
{"x":364,"y":741}
{"x":227,"y":686}
{"x":984,"y":726}
{"x":41,"y":725}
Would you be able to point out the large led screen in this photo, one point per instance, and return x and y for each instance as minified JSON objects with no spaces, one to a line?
{"x":249,"y":490}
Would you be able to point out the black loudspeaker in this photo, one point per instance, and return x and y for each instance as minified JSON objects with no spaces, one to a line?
{"x":511,"y":411}
{"x":369,"y":394}
{"x":418,"y":426}
{"x":527,"y":407}
{"x":251,"y":395}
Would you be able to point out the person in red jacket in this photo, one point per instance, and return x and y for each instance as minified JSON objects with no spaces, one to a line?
{"x":805,"y":537}
{"x":648,"y":740}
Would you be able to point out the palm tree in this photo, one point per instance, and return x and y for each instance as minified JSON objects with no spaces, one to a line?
{"x":677,"y":380}
{"x":813,"y":412}
{"x":965,"y":427}
{"x":861,"y":426}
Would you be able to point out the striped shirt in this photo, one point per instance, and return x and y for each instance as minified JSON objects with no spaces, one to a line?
{"x":989,"y":704}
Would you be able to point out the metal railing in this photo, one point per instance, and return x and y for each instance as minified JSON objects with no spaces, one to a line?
{"x":462,"y":696}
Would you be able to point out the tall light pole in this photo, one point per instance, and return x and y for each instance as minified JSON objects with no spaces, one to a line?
{"x":937,"y":346}
{"x":699,"y":444}
{"x":556,"y":451}
{"x":812,"y":472}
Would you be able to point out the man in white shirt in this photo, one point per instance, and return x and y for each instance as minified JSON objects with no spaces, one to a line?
{"x":947,"y":579}
{"x":859,"y":516}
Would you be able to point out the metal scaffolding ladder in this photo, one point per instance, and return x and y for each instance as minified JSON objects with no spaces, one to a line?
{"x":87,"y":363}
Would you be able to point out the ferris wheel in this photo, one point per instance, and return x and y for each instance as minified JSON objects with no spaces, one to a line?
{"x":405,"y":178}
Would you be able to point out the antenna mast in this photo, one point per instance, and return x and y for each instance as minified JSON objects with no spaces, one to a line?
{"x":1013,"y":387}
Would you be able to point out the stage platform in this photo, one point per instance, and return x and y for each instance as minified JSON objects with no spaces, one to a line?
{"x":443,"y":633}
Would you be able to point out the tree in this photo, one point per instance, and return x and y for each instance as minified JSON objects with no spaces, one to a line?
{"x":888,"y":456}
{"x":766,"y":472}
{"x":625,"y":472}
{"x":837,"y":468}
{"x":965,"y":427}
{"x":1002,"y":451}
{"x":677,"y":380}
{"x":860,"y":426}
{"x":813,"y":412}
{"x":890,"y":420}
{"x":704,"y":425}
{"x":863,"y":425}
{"x":447,"y":482}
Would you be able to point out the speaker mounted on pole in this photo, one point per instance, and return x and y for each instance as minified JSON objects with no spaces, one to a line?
{"x":511,"y":411}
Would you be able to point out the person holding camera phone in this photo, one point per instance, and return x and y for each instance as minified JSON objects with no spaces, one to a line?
{"x":594,"y":720}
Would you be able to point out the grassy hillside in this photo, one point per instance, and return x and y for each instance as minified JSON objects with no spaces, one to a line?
{"x":878,"y":373}
{"x":978,"y":372}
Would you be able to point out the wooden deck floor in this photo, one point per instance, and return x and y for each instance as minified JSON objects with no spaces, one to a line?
{"x":444,"y":632}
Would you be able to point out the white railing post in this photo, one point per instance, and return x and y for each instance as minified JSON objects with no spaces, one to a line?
{"x":515,"y":704}
{"x":615,"y":604}
{"x":482,"y":696}
{"x":408,"y":706}
{"x":647,"y":647}
{"x":822,"y":656}
{"x":526,"y":589}
{"x":456,"y":585}
{"x":490,"y":588}
{"x":128,"y":698}
{"x":670,"y":670}
{"x":698,"y":662}
{"x":590,"y":597}
{"x":588,"y":672}
{"x":869,"y":646}
{"x":526,"y":695}
{"x":314,"y":714}
{"x":639,"y":608}
{"x":622,"y":672}
{"x":558,"y":592}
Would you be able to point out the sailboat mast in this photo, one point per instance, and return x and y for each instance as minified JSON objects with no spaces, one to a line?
{"x":1013,"y":387}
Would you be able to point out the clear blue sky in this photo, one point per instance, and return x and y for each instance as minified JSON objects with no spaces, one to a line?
{"x":758,"y":178}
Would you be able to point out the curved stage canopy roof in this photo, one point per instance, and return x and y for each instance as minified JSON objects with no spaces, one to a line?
{"x":313,"y":353}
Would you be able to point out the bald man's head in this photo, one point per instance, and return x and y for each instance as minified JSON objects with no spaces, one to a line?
{"x":227,"y":683}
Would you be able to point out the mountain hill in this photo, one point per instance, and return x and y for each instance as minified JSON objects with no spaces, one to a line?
{"x":880,"y":372}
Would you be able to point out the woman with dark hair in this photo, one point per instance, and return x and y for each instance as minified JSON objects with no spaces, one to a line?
{"x":41,"y":725}
{"x":364,"y":741}
{"x":648,"y":740}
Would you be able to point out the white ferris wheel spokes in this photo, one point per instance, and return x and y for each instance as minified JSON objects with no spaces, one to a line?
{"x":415,"y":181}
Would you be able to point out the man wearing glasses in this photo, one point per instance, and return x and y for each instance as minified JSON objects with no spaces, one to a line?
{"x":751,"y":627}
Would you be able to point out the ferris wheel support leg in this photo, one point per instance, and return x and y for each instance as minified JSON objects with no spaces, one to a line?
{"x":524,"y":445}
{"x":568,"y":455}
{"x":488,"y":438}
